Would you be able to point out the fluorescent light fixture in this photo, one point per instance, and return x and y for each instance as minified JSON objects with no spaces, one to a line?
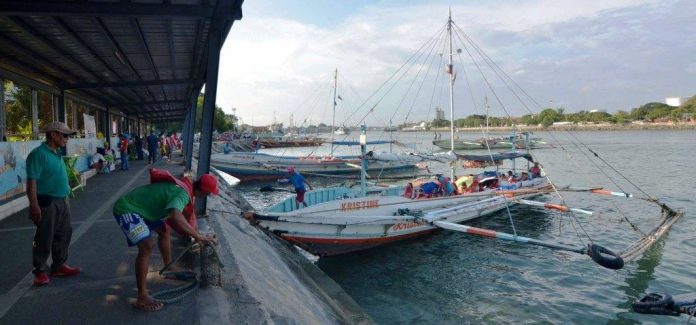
{"x":119,"y":57}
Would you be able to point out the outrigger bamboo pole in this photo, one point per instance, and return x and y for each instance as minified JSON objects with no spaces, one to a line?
{"x":551,"y":206}
{"x":508,"y":237}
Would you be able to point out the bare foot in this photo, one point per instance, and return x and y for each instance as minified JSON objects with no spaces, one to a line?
{"x":148,"y":304}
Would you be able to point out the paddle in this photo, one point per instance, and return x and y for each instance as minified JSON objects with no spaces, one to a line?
{"x":269,"y":188}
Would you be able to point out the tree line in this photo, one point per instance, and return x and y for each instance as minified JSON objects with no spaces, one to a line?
{"x":650,"y":112}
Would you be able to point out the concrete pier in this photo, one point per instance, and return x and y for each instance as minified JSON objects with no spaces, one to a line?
{"x":265,"y":280}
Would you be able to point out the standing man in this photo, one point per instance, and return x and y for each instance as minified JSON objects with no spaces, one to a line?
{"x":123,"y":149}
{"x":299,"y":183}
{"x":47,"y":190}
{"x":143,"y":210}
{"x":152,"y":147}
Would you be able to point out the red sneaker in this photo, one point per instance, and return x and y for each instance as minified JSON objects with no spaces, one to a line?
{"x":66,"y":270}
{"x":41,"y":279}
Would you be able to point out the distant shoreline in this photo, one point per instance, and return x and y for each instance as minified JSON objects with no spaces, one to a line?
{"x":578,"y":127}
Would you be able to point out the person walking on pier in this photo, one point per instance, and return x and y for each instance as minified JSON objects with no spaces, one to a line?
{"x":152,"y":147}
{"x":47,"y":191}
{"x":143,"y":210}
{"x":123,"y":149}
{"x":298,"y":181}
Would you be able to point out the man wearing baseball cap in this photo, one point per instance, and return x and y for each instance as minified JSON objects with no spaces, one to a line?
{"x":47,"y":190}
{"x":143,"y":211}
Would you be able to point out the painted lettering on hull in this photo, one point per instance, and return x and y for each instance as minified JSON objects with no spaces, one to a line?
{"x":405,"y":225}
{"x":367,"y":204}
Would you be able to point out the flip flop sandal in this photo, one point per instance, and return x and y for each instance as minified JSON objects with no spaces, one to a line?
{"x":154,"y":306}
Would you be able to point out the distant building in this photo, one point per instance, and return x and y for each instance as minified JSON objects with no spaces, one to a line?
{"x":675,"y":101}
{"x":598,"y":111}
{"x":439,"y":113}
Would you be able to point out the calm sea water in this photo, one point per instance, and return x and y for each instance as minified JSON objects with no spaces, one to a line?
{"x":453,"y":278}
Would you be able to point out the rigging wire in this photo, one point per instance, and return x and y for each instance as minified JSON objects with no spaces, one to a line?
{"x":394,"y":74}
{"x":650,"y":198}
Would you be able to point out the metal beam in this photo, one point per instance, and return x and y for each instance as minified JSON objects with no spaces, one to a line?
{"x":34,"y":114}
{"x":41,"y":60}
{"x":3,"y":122}
{"x":133,"y":83}
{"x":28,"y":76}
{"x":158,"y":102}
{"x":102,"y":9}
{"x":67,"y":30}
{"x":110,"y":37}
{"x":55,"y":47}
{"x":188,"y":137}
{"x":208,"y":108}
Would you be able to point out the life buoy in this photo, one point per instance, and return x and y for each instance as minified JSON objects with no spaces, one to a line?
{"x":605,"y":257}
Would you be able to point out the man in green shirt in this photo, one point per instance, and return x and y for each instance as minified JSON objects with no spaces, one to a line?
{"x":143,"y":210}
{"x":47,"y":191}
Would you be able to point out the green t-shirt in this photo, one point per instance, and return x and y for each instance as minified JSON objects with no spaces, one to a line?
{"x":153,"y":202}
{"x":48,"y":169}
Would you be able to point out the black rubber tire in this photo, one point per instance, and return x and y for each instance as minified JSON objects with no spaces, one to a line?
{"x":605,"y":257}
{"x":655,"y":304}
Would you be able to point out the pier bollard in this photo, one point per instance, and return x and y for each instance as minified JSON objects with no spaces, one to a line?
{"x":210,"y":267}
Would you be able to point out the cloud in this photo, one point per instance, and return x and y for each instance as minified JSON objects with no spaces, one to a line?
{"x":600,"y":54}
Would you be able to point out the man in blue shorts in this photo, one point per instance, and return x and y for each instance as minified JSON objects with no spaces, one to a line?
{"x":299,"y":183}
{"x":143,"y":210}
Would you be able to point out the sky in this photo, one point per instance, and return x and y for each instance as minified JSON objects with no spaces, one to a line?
{"x":279,"y":59}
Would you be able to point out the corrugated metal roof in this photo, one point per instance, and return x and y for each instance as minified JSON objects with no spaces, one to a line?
{"x":145,"y":57}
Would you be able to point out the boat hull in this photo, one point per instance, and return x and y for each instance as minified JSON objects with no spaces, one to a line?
{"x":480,"y":145}
{"x":355,"y":224}
{"x":251,"y":166}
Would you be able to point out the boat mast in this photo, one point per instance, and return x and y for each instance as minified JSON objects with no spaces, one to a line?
{"x":450,"y":69}
{"x":333,"y":117}
{"x":485,"y":99}
{"x":363,"y":159}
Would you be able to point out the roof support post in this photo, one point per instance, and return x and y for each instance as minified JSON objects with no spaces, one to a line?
{"x":34,"y":114}
{"x":107,"y":125}
{"x":188,"y":135}
{"x":214,"y":41}
{"x":59,"y":105}
{"x":3,"y":123}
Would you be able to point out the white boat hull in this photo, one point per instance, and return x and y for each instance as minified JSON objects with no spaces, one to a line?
{"x":354,"y":224}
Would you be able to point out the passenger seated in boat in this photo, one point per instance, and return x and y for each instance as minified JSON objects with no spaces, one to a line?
{"x":524,"y":177}
{"x":408,"y":191}
{"x":535,"y":170}
{"x":430,"y":189}
{"x":445,"y":185}
{"x":463,"y":182}
{"x":473,"y":187}
{"x":510,"y":177}
{"x":487,"y":183}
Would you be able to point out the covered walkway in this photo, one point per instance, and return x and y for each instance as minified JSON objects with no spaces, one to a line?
{"x":101,"y":293}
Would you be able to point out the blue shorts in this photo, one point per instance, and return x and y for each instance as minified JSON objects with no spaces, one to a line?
{"x":136,"y":228}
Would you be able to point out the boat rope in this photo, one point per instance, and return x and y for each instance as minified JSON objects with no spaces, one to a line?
{"x":175,"y":294}
{"x":417,"y":53}
{"x":671,"y":215}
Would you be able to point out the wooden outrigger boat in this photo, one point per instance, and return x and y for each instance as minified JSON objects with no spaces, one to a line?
{"x":341,"y":220}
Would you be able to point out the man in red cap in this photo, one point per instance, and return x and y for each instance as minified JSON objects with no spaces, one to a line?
{"x":143,"y":210}
{"x":47,"y":191}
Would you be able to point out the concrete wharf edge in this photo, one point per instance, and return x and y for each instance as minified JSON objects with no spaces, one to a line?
{"x":265,"y":280}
